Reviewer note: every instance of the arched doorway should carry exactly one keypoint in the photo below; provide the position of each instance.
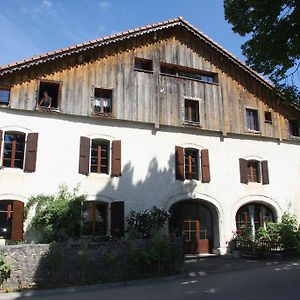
(251, 216)
(197, 222)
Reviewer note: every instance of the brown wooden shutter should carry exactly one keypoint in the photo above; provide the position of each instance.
(1, 137)
(243, 171)
(265, 172)
(205, 166)
(31, 152)
(179, 161)
(117, 219)
(17, 220)
(116, 159)
(84, 155)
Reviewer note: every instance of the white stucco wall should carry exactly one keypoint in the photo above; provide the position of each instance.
(148, 166)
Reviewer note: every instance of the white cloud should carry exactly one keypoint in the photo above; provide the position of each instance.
(104, 5)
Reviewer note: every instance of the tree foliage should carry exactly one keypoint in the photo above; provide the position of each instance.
(57, 217)
(145, 224)
(273, 47)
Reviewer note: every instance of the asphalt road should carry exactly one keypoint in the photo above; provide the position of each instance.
(269, 281)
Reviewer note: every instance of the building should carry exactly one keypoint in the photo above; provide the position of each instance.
(159, 115)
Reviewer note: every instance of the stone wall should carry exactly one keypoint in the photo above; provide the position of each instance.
(43, 265)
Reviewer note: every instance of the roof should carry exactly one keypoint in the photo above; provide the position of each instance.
(178, 22)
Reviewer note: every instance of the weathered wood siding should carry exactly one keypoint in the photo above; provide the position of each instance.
(152, 97)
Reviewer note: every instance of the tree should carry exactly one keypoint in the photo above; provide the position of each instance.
(57, 217)
(273, 47)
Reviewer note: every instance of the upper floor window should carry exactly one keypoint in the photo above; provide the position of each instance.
(49, 94)
(191, 111)
(13, 151)
(268, 117)
(142, 64)
(253, 167)
(4, 96)
(189, 73)
(294, 127)
(252, 119)
(17, 151)
(189, 162)
(99, 156)
(102, 101)
(254, 171)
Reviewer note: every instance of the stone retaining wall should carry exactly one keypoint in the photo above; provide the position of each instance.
(43, 265)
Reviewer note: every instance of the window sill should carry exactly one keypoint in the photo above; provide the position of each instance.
(4, 104)
(12, 170)
(188, 78)
(98, 175)
(191, 124)
(144, 71)
(295, 137)
(103, 115)
(254, 132)
(47, 109)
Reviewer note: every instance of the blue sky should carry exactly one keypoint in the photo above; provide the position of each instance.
(30, 27)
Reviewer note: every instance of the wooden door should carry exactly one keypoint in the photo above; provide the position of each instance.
(195, 239)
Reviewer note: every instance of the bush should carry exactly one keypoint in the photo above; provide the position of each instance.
(5, 269)
(57, 217)
(145, 224)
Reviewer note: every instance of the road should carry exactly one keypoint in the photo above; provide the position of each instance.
(269, 281)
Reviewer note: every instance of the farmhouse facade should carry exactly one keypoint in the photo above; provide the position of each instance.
(160, 115)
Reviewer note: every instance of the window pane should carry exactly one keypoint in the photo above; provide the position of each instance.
(102, 101)
(191, 163)
(100, 156)
(4, 96)
(191, 111)
(252, 119)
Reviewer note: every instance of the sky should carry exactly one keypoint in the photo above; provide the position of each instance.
(32, 27)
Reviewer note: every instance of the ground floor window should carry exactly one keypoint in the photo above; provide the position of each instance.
(6, 213)
(253, 216)
(94, 218)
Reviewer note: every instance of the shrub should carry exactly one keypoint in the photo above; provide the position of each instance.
(5, 269)
(57, 217)
(147, 223)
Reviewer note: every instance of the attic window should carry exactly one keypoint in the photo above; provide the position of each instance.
(189, 73)
(49, 94)
(102, 101)
(294, 126)
(142, 64)
(268, 117)
(4, 96)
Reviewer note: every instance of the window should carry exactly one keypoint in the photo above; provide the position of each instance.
(253, 216)
(141, 64)
(254, 171)
(252, 119)
(100, 156)
(294, 127)
(191, 111)
(94, 218)
(13, 151)
(191, 163)
(49, 93)
(253, 168)
(188, 163)
(189, 73)
(268, 117)
(102, 101)
(11, 219)
(4, 96)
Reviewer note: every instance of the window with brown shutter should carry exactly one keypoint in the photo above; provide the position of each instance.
(191, 163)
(179, 163)
(17, 220)
(243, 170)
(205, 169)
(100, 156)
(253, 171)
(31, 152)
(265, 172)
(94, 218)
(13, 149)
(116, 159)
(84, 155)
(117, 219)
